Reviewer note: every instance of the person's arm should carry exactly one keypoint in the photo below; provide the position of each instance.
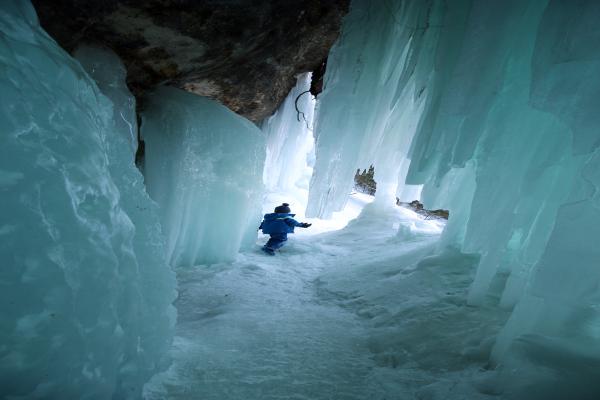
(293, 222)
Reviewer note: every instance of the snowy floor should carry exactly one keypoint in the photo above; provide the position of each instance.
(356, 313)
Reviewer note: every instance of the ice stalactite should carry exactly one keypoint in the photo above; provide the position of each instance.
(290, 139)
(203, 166)
(557, 257)
(375, 92)
(490, 121)
(514, 126)
(506, 136)
(83, 288)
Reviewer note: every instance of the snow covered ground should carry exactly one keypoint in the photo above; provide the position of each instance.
(356, 313)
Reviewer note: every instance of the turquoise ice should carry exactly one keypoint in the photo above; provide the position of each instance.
(203, 165)
(486, 108)
(86, 290)
(505, 134)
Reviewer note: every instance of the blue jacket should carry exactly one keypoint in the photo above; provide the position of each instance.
(275, 223)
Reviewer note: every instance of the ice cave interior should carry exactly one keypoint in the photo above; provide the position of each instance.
(131, 277)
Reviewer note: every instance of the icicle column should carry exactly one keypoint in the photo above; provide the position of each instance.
(375, 93)
(203, 166)
(507, 137)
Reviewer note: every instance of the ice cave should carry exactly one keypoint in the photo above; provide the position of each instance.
(444, 156)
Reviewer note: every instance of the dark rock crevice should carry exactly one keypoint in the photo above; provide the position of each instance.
(244, 53)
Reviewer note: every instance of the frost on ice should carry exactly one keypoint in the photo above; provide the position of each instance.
(203, 166)
(85, 296)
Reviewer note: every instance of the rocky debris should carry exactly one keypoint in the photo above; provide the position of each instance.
(418, 207)
(244, 53)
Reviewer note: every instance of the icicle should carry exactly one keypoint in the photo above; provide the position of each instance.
(372, 103)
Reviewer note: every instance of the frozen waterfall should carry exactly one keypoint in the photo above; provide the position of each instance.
(86, 291)
(488, 109)
(203, 166)
(376, 88)
(290, 140)
(494, 104)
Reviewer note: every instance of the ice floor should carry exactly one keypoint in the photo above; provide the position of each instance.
(355, 313)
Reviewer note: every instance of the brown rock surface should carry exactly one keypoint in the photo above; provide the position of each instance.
(244, 53)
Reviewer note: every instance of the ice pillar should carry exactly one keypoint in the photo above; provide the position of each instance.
(373, 100)
(85, 302)
(203, 166)
(495, 105)
(562, 293)
(525, 134)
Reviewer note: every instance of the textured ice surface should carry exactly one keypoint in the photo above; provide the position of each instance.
(289, 140)
(507, 137)
(203, 166)
(371, 103)
(110, 74)
(529, 152)
(86, 292)
(156, 280)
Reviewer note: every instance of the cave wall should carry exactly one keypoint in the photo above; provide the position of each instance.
(245, 54)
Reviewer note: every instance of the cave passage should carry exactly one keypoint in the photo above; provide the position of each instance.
(119, 282)
(348, 314)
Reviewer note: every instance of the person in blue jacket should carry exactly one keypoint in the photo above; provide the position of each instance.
(278, 225)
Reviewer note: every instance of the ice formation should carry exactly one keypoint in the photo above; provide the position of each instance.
(86, 292)
(110, 74)
(156, 280)
(290, 139)
(490, 107)
(203, 166)
(494, 104)
(371, 104)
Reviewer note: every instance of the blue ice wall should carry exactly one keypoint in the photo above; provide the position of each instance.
(86, 292)
(203, 166)
(507, 138)
(376, 86)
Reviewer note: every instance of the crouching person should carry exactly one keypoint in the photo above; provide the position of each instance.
(278, 225)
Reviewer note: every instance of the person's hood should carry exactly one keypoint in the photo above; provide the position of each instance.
(277, 215)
